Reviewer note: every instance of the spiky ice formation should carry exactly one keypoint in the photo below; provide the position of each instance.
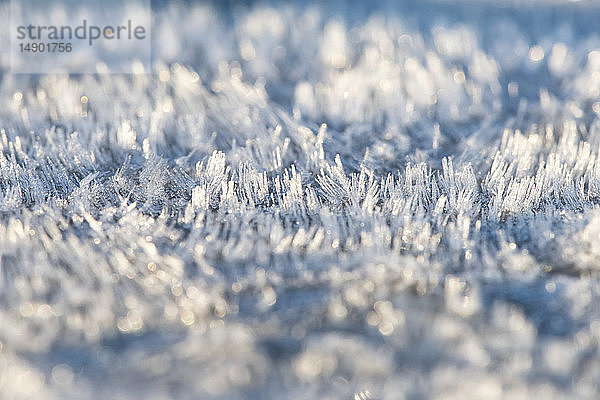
(387, 202)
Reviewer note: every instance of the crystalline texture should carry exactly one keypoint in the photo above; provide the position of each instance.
(326, 201)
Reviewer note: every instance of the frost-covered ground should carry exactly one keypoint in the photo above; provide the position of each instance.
(310, 202)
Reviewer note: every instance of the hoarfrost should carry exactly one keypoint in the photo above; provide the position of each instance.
(378, 205)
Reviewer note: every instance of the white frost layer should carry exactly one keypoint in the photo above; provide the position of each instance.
(303, 202)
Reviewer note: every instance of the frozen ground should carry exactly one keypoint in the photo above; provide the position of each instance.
(311, 202)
